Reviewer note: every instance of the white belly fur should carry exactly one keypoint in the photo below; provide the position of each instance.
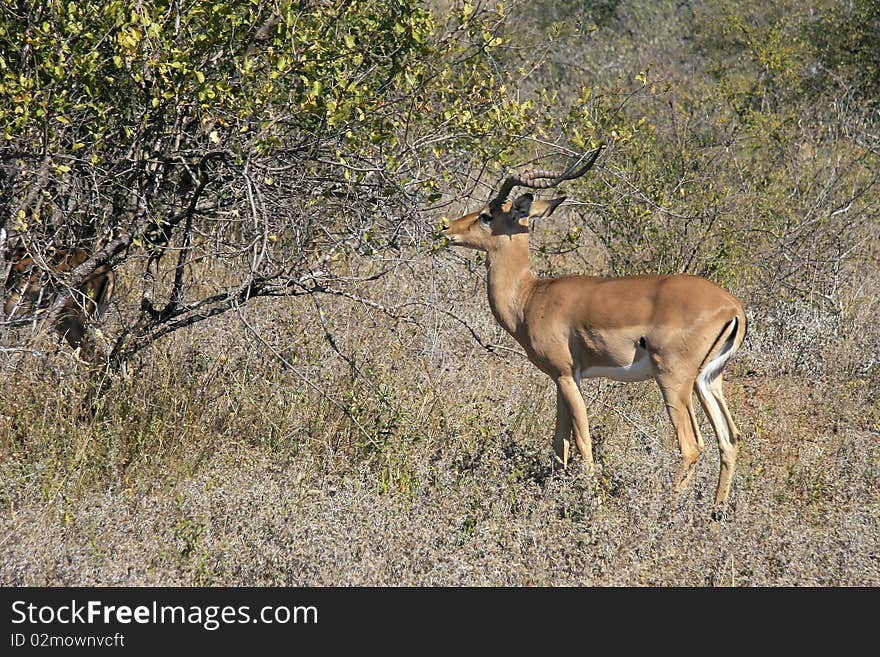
(638, 370)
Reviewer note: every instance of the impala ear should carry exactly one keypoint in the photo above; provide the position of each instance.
(551, 205)
(538, 210)
(522, 207)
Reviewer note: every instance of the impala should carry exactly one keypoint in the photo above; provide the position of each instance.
(32, 283)
(680, 330)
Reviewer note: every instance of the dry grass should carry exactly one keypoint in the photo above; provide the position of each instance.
(216, 462)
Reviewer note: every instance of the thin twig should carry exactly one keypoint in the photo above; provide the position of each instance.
(306, 380)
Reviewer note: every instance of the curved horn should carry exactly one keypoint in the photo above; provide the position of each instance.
(544, 179)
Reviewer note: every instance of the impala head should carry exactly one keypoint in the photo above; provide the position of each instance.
(480, 230)
(501, 220)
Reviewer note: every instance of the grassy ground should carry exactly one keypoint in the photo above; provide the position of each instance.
(249, 452)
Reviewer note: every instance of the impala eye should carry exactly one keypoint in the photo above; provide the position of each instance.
(485, 217)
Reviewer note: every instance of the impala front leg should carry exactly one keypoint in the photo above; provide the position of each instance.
(568, 391)
(562, 438)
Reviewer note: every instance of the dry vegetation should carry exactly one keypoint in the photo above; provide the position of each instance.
(215, 463)
(395, 436)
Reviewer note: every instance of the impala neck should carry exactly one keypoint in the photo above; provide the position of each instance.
(509, 281)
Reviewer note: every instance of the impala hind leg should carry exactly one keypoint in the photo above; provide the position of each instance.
(715, 385)
(562, 437)
(678, 397)
(568, 391)
(712, 399)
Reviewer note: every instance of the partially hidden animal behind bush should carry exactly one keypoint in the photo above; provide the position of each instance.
(33, 281)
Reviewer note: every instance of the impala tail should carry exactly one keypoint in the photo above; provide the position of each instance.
(731, 338)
